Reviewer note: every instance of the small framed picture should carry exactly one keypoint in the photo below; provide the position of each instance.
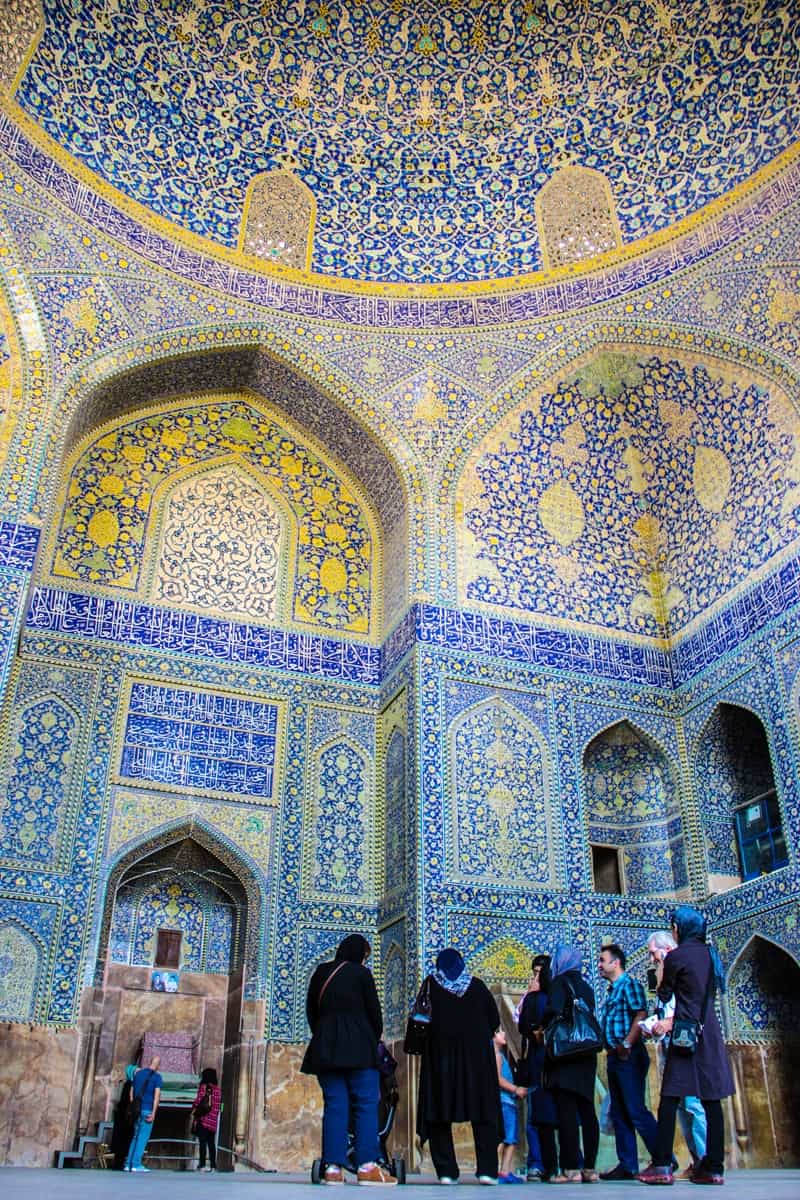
(164, 981)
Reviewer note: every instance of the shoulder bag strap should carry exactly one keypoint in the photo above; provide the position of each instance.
(710, 990)
(335, 971)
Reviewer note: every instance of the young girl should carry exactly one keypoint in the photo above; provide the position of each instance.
(509, 1095)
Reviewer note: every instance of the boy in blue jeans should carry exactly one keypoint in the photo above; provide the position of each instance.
(509, 1095)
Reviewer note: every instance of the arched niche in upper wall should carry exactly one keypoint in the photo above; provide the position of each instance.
(369, 477)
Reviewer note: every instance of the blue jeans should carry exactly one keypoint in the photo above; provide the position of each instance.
(141, 1136)
(534, 1147)
(692, 1117)
(350, 1099)
(626, 1079)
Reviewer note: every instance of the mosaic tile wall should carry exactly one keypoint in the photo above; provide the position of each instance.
(430, 779)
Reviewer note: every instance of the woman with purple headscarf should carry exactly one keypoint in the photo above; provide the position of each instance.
(572, 1080)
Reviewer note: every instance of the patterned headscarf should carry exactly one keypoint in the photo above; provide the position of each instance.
(565, 958)
(691, 926)
(451, 972)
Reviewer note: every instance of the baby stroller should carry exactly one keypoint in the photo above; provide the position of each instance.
(387, 1108)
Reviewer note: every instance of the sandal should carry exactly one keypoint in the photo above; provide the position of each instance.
(566, 1177)
(589, 1175)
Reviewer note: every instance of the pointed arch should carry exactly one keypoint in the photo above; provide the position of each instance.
(171, 834)
(632, 809)
(763, 996)
(737, 797)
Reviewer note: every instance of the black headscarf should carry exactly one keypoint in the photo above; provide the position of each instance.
(353, 949)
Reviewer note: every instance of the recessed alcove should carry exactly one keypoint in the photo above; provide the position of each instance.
(738, 800)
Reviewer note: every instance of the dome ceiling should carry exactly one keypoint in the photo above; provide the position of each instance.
(424, 130)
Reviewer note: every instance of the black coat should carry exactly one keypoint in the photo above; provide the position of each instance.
(542, 1105)
(572, 1074)
(707, 1073)
(458, 1075)
(347, 1025)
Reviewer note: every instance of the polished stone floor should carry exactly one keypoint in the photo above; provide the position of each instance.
(18, 1183)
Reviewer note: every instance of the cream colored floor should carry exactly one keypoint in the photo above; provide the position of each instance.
(19, 1183)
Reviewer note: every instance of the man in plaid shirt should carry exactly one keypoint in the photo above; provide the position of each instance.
(628, 1063)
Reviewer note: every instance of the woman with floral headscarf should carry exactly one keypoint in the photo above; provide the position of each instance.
(122, 1130)
(572, 1080)
(693, 974)
(458, 1076)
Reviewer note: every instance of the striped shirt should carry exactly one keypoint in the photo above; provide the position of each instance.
(624, 998)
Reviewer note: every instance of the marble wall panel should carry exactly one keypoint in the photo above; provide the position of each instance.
(36, 1085)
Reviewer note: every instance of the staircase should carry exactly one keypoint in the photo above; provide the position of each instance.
(74, 1158)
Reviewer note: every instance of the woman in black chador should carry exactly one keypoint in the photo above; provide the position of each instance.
(693, 974)
(458, 1077)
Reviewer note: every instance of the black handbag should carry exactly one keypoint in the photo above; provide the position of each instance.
(686, 1033)
(419, 1020)
(576, 1031)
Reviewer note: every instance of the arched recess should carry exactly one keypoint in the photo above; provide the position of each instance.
(179, 853)
(558, 510)
(113, 479)
(633, 815)
(21, 958)
(500, 824)
(379, 462)
(763, 997)
(737, 798)
(395, 838)
(395, 1000)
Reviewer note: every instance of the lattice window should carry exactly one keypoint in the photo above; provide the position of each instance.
(278, 221)
(577, 217)
(21, 23)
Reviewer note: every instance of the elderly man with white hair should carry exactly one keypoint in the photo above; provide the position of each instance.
(691, 1114)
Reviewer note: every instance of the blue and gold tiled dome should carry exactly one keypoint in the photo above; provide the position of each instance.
(411, 139)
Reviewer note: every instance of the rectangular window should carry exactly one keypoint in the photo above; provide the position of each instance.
(607, 870)
(759, 836)
(168, 949)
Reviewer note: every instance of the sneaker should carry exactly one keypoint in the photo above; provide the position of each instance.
(138, 1168)
(687, 1173)
(447, 1180)
(333, 1175)
(534, 1175)
(509, 1178)
(371, 1175)
(701, 1175)
(617, 1174)
(487, 1180)
(653, 1174)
